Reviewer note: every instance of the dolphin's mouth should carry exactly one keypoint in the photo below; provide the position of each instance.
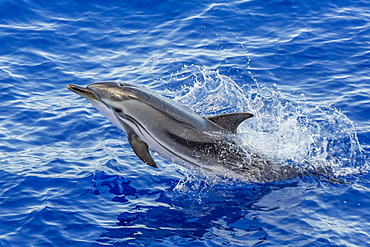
(84, 92)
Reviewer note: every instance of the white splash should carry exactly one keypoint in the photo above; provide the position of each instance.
(286, 132)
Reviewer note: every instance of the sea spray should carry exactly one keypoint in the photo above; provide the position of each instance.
(285, 129)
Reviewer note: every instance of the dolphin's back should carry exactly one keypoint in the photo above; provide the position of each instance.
(169, 110)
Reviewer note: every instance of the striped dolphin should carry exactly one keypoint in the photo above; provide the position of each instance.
(179, 134)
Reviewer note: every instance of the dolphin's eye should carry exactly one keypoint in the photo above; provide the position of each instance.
(118, 110)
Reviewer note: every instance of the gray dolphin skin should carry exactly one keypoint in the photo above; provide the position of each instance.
(179, 134)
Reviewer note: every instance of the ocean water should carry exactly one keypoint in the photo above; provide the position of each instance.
(68, 177)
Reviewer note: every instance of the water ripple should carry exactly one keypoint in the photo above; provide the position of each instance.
(69, 177)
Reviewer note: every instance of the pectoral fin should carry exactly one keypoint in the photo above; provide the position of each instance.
(141, 149)
(230, 121)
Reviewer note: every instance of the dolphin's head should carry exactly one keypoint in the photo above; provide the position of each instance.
(103, 96)
(102, 91)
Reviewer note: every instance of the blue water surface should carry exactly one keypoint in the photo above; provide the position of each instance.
(68, 177)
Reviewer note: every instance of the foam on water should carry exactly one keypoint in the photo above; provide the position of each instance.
(286, 129)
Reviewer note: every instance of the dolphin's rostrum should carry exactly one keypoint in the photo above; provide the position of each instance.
(177, 133)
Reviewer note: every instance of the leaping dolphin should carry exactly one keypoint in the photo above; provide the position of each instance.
(179, 134)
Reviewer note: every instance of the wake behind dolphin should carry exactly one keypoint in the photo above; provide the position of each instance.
(179, 134)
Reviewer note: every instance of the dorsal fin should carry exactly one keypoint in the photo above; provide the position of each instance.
(230, 121)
